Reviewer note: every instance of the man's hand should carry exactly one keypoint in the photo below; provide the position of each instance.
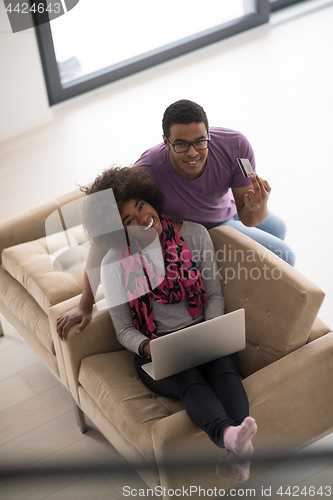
(255, 200)
(251, 201)
(67, 320)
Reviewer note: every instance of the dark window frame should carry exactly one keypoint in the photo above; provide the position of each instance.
(281, 4)
(58, 93)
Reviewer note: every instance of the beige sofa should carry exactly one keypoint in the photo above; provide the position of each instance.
(287, 363)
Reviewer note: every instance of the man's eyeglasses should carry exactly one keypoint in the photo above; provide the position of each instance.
(182, 147)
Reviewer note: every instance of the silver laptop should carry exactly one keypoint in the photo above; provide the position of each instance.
(197, 344)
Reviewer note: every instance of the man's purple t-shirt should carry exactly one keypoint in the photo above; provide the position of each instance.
(207, 199)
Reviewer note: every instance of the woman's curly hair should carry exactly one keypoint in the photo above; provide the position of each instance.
(127, 183)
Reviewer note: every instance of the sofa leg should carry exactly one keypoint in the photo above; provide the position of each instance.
(80, 418)
(1, 330)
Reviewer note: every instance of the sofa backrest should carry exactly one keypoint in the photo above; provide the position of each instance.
(280, 304)
(30, 225)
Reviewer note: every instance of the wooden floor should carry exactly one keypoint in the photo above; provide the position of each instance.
(276, 87)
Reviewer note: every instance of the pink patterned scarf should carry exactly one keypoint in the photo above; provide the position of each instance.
(182, 278)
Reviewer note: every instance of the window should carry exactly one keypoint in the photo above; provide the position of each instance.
(281, 4)
(87, 48)
(124, 33)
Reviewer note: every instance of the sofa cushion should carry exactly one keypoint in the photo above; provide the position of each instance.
(112, 382)
(32, 265)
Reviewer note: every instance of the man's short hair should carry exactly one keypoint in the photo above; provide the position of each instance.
(183, 112)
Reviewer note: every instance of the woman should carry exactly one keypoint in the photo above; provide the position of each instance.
(152, 293)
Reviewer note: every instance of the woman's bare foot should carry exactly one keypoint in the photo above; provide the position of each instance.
(228, 469)
(238, 439)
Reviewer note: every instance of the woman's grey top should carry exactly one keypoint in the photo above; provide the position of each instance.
(168, 317)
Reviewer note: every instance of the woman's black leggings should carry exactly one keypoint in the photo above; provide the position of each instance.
(212, 394)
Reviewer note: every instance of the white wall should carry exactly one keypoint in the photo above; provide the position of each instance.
(23, 98)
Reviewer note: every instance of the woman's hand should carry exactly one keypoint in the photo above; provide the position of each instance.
(144, 349)
(67, 320)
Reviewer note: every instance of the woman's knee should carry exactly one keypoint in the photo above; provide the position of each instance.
(222, 366)
(188, 378)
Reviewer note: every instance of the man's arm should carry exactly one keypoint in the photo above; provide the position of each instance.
(83, 312)
(251, 201)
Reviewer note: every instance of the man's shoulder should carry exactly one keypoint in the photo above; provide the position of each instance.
(152, 156)
(226, 145)
(220, 133)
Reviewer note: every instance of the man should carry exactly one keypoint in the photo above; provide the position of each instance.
(196, 166)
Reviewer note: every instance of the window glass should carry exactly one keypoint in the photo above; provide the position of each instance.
(96, 35)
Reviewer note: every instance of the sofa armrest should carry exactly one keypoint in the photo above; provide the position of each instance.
(291, 399)
(280, 303)
(30, 225)
(97, 337)
(319, 328)
(184, 450)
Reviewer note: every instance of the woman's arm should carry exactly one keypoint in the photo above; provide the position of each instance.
(128, 336)
(81, 314)
(204, 253)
